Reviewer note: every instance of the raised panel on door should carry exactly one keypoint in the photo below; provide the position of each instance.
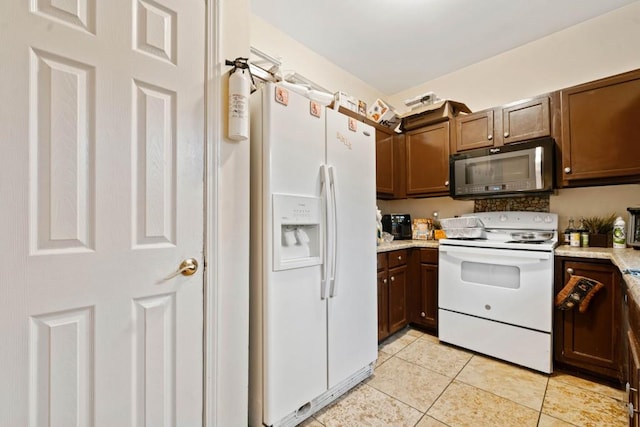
(526, 120)
(427, 159)
(102, 173)
(474, 131)
(397, 298)
(429, 295)
(591, 339)
(599, 129)
(383, 305)
(385, 170)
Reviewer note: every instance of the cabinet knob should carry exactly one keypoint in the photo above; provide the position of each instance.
(489, 137)
(506, 134)
(628, 389)
(570, 271)
(384, 280)
(399, 257)
(446, 183)
(393, 279)
(423, 314)
(567, 170)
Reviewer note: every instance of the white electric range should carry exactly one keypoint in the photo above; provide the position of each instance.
(496, 292)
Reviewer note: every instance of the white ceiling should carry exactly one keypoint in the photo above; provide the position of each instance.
(394, 45)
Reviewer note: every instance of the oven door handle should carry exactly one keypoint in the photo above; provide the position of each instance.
(496, 256)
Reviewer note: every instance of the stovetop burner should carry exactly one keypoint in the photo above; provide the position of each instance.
(514, 230)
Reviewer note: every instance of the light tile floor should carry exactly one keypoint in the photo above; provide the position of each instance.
(419, 382)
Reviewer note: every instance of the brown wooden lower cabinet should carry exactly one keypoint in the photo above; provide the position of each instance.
(590, 342)
(424, 289)
(633, 378)
(392, 292)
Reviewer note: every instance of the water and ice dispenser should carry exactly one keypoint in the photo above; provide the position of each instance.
(297, 227)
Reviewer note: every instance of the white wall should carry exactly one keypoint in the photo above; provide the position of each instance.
(295, 56)
(603, 46)
(228, 291)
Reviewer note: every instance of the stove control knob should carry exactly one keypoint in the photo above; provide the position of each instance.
(537, 218)
(548, 219)
(502, 218)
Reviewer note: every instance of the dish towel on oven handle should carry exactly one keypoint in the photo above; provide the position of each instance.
(578, 291)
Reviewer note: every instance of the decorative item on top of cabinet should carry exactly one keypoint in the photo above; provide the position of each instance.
(518, 121)
(392, 292)
(590, 342)
(427, 160)
(600, 131)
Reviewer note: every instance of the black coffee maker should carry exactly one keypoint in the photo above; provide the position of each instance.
(399, 225)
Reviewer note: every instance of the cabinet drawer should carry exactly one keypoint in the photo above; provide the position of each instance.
(429, 256)
(382, 261)
(397, 258)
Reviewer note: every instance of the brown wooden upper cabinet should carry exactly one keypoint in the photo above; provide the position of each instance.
(511, 123)
(600, 131)
(427, 160)
(390, 180)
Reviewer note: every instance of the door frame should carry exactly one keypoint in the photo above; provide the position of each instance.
(211, 214)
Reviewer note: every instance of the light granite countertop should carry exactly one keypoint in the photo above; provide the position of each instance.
(406, 244)
(621, 258)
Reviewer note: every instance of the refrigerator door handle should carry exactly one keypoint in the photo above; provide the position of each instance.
(324, 184)
(334, 231)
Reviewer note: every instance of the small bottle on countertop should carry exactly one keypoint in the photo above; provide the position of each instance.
(584, 234)
(575, 235)
(568, 231)
(619, 236)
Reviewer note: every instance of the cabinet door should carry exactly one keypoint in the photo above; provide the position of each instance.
(591, 340)
(474, 130)
(384, 164)
(383, 305)
(600, 131)
(429, 295)
(427, 160)
(526, 120)
(397, 298)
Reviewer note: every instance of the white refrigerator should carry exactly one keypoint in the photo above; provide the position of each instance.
(313, 309)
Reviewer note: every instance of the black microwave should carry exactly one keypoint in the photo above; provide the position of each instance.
(509, 170)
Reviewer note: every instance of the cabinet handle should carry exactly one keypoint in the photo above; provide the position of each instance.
(393, 279)
(567, 170)
(489, 137)
(384, 281)
(506, 134)
(446, 183)
(422, 314)
(570, 271)
(628, 389)
(631, 410)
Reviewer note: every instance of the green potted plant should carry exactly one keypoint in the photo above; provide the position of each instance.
(600, 230)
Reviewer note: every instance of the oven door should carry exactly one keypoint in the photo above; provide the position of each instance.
(505, 285)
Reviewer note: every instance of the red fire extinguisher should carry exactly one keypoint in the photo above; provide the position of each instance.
(240, 87)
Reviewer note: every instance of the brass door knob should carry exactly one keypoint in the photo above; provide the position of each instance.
(187, 267)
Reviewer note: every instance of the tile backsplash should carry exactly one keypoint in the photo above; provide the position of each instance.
(526, 203)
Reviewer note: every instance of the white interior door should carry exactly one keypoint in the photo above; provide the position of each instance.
(101, 175)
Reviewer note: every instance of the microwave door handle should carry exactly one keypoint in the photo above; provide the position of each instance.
(538, 167)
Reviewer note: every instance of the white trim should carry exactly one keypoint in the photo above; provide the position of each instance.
(212, 155)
